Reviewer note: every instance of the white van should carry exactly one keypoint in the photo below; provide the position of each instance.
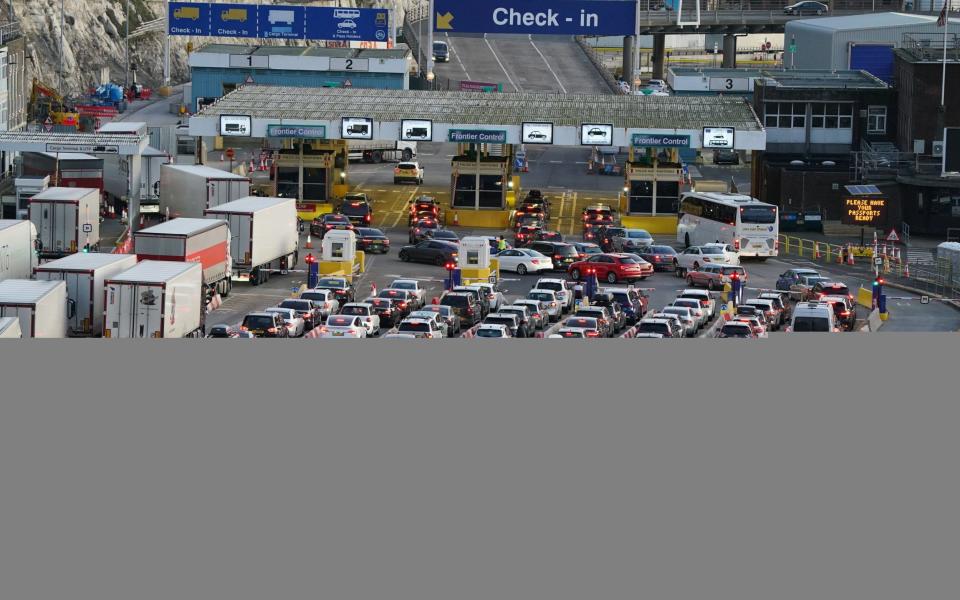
(813, 317)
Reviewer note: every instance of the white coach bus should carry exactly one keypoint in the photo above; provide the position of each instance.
(750, 226)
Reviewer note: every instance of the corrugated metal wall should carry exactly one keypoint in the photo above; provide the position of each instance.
(813, 46)
(892, 35)
(208, 83)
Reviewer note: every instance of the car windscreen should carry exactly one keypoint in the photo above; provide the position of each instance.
(445, 235)
(355, 209)
(300, 305)
(541, 296)
(736, 330)
(711, 250)
(368, 232)
(330, 283)
(662, 250)
(458, 301)
(416, 327)
(638, 235)
(836, 289)
(489, 333)
(381, 303)
(629, 260)
(257, 322)
(654, 328)
(582, 322)
(622, 298)
(550, 285)
(687, 302)
(760, 215)
(403, 285)
(340, 321)
(315, 296)
(360, 311)
(591, 250)
(732, 270)
(406, 166)
(500, 321)
(803, 324)
(682, 311)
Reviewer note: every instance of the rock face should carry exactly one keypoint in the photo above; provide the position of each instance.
(93, 38)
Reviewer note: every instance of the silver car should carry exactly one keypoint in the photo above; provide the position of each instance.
(537, 312)
(548, 299)
(686, 316)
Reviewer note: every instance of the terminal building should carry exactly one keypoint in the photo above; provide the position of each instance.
(218, 69)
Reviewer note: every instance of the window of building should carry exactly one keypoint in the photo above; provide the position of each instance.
(877, 119)
(785, 115)
(832, 115)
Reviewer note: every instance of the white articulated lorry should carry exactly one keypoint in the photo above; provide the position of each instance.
(206, 241)
(155, 299)
(10, 328)
(18, 255)
(263, 235)
(188, 190)
(67, 220)
(84, 274)
(41, 306)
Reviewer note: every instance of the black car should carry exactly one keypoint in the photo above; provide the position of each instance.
(465, 306)
(372, 240)
(527, 220)
(548, 236)
(400, 302)
(267, 325)
(661, 257)
(306, 309)
(441, 234)
(341, 288)
(357, 208)
(448, 315)
(726, 156)
(385, 309)
(806, 8)
(608, 300)
(605, 237)
(830, 288)
(562, 254)
(319, 227)
(423, 207)
(418, 230)
(844, 312)
(435, 252)
(222, 331)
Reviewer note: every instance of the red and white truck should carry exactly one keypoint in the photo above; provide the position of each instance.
(188, 190)
(84, 274)
(155, 299)
(206, 241)
(264, 235)
(67, 220)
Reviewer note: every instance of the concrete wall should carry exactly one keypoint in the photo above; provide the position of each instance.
(919, 114)
(208, 83)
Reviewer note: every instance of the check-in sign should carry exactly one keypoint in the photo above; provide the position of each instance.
(306, 132)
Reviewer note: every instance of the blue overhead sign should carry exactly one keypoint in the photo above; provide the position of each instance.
(557, 17)
(278, 22)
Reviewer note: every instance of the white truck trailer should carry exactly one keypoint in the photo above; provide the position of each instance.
(10, 328)
(67, 220)
(41, 306)
(264, 235)
(188, 190)
(84, 275)
(18, 255)
(155, 299)
(376, 151)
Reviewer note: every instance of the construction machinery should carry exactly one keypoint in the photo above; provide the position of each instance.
(47, 106)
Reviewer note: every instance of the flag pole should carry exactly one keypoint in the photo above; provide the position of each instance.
(943, 76)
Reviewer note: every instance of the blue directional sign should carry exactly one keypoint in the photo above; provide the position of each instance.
(328, 23)
(553, 17)
(189, 18)
(281, 22)
(234, 20)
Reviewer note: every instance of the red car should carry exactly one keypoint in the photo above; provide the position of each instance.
(611, 268)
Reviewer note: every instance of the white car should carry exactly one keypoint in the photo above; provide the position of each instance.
(657, 84)
(426, 328)
(523, 261)
(429, 315)
(325, 300)
(493, 331)
(348, 24)
(676, 323)
(368, 316)
(696, 309)
(295, 324)
(410, 285)
(570, 333)
(559, 286)
(731, 256)
(343, 326)
(687, 317)
(490, 293)
(408, 171)
(537, 310)
(549, 302)
(398, 336)
(694, 257)
(707, 301)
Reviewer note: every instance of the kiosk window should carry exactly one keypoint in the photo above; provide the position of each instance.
(288, 182)
(473, 258)
(641, 197)
(336, 250)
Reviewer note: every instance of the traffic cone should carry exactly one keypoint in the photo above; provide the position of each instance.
(123, 215)
(456, 220)
(816, 250)
(849, 255)
(309, 244)
(906, 270)
(263, 164)
(222, 157)
(253, 167)
(141, 221)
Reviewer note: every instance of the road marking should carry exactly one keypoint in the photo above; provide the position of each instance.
(456, 55)
(552, 72)
(410, 199)
(504, 69)
(556, 162)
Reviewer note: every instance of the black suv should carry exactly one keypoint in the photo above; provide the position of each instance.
(357, 208)
(561, 253)
(616, 310)
(319, 227)
(265, 325)
(465, 306)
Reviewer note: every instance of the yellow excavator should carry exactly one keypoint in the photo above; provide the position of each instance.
(46, 102)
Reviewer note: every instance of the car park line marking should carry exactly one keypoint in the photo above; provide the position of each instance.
(502, 68)
(552, 72)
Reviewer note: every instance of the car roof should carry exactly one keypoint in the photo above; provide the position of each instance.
(695, 291)
(654, 320)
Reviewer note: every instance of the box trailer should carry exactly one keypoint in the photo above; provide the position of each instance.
(264, 235)
(67, 220)
(376, 151)
(84, 275)
(18, 255)
(188, 190)
(10, 328)
(206, 241)
(155, 299)
(41, 306)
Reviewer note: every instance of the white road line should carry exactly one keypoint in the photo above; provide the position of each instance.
(556, 162)
(456, 55)
(502, 68)
(552, 72)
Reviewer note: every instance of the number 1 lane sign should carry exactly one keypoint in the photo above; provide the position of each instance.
(557, 17)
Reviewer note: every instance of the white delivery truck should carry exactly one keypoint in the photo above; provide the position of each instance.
(188, 190)
(155, 299)
(206, 241)
(84, 275)
(67, 220)
(264, 235)
(10, 328)
(41, 306)
(17, 249)
(375, 151)
(121, 175)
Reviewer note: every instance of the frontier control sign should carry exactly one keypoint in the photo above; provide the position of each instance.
(560, 17)
(481, 136)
